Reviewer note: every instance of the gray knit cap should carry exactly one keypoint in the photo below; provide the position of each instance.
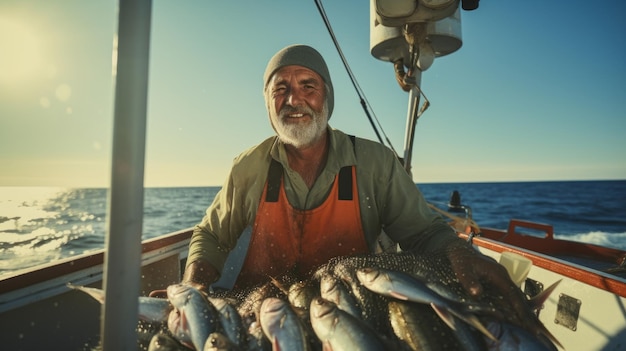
(305, 56)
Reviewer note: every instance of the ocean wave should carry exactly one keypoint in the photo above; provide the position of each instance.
(612, 240)
(40, 225)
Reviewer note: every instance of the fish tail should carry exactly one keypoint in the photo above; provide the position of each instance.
(467, 318)
(275, 344)
(280, 286)
(97, 294)
(445, 316)
(542, 330)
(474, 322)
(538, 300)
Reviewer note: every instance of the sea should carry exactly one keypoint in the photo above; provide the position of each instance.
(39, 225)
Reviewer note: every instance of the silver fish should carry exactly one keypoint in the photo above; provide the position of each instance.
(370, 303)
(249, 309)
(338, 330)
(301, 293)
(334, 290)
(405, 287)
(230, 320)
(151, 309)
(164, 342)
(219, 342)
(194, 318)
(257, 339)
(435, 270)
(420, 328)
(514, 338)
(282, 326)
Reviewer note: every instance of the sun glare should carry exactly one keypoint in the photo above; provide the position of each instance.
(20, 48)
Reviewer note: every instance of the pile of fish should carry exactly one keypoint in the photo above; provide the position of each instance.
(392, 301)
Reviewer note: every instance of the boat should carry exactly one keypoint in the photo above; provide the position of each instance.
(587, 311)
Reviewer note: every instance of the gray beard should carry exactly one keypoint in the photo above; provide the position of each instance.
(302, 136)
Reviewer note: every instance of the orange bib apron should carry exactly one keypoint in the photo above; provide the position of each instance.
(287, 239)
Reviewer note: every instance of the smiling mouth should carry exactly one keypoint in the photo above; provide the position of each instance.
(295, 115)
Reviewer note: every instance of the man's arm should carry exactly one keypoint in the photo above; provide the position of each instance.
(201, 274)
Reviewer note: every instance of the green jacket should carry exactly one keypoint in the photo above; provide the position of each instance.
(389, 200)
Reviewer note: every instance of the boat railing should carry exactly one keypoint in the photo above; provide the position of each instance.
(167, 252)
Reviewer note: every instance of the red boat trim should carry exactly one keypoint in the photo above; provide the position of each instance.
(74, 264)
(609, 284)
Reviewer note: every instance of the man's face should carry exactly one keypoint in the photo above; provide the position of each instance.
(296, 101)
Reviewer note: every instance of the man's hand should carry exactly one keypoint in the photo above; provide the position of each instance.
(200, 274)
(474, 269)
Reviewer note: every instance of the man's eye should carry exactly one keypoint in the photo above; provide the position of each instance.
(279, 90)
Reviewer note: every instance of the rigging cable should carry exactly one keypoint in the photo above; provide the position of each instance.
(364, 103)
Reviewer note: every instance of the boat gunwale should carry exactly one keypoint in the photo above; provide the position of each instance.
(39, 274)
(42, 273)
(595, 278)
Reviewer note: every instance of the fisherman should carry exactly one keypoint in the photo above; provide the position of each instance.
(311, 193)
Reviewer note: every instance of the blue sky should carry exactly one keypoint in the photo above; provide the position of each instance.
(536, 92)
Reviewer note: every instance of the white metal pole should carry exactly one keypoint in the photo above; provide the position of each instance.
(411, 121)
(125, 200)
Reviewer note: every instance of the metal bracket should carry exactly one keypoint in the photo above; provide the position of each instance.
(567, 311)
(533, 288)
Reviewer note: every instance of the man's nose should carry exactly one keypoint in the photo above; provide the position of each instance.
(294, 97)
